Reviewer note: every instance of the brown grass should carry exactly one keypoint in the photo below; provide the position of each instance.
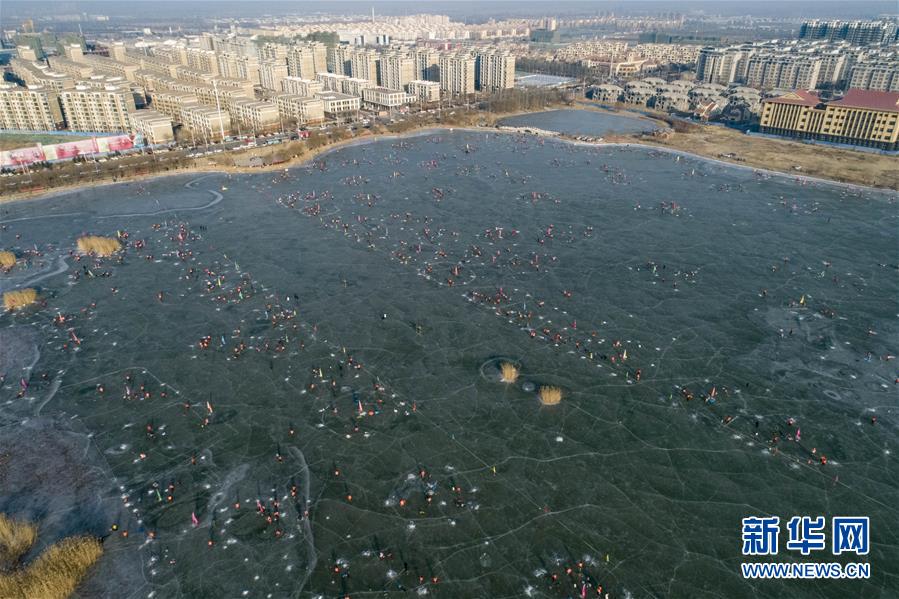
(16, 538)
(56, 573)
(98, 246)
(549, 396)
(18, 299)
(7, 259)
(783, 155)
(508, 372)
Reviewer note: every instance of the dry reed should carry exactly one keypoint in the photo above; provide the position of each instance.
(7, 259)
(16, 538)
(56, 573)
(18, 299)
(98, 246)
(549, 396)
(508, 372)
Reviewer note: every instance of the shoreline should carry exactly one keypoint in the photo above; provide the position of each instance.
(309, 157)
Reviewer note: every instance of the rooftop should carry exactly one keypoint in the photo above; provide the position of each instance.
(799, 97)
(866, 98)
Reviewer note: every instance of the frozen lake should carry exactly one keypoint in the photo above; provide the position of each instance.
(289, 381)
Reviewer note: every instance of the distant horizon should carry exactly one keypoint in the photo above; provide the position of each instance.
(14, 9)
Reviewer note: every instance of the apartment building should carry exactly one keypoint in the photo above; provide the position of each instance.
(338, 60)
(238, 66)
(425, 91)
(34, 109)
(338, 105)
(457, 73)
(305, 60)
(331, 81)
(495, 70)
(379, 98)
(354, 87)
(153, 126)
(108, 66)
(202, 60)
(301, 87)
(426, 64)
(206, 123)
(783, 72)
(272, 73)
(303, 110)
(256, 116)
(103, 110)
(862, 117)
(879, 76)
(364, 65)
(173, 103)
(856, 32)
(39, 75)
(396, 70)
(78, 70)
(273, 51)
(718, 65)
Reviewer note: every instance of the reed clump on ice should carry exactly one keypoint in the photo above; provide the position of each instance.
(7, 260)
(56, 572)
(549, 396)
(508, 372)
(98, 246)
(18, 299)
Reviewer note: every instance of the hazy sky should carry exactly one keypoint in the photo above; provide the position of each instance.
(455, 8)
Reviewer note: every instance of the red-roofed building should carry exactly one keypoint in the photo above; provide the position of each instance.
(861, 117)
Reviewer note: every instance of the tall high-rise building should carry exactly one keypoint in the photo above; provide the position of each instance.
(457, 73)
(718, 65)
(496, 70)
(426, 64)
(305, 60)
(272, 72)
(396, 70)
(364, 65)
(238, 66)
(339, 60)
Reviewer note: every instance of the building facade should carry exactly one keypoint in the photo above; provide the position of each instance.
(380, 98)
(338, 105)
(256, 116)
(457, 73)
(153, 126)
(101, 110)
(301, 87)
(303, 110)
(496, 70)
(396, 70)
(425, 91)
(29, 109)
(206, 124)
(861, 117)
(272, 73)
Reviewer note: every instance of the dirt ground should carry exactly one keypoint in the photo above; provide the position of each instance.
(837, 164)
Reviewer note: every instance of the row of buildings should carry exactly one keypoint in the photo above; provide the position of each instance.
(881, 31)
(860, 117)
(704, 100)
(801, 65)
(212, 86)
(617, 58)
(383, 29)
